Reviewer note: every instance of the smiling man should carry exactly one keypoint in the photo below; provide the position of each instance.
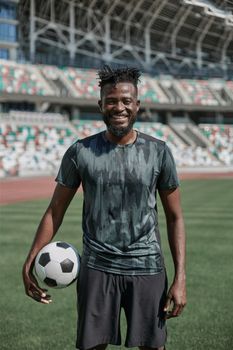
(121, 171)
(119, 106)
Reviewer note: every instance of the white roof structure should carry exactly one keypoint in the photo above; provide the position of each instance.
(161, 36)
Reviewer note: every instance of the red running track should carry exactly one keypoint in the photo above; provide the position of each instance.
(13, 190)
(24, 189)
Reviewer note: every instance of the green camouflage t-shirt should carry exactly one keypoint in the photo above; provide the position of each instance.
(120, 219)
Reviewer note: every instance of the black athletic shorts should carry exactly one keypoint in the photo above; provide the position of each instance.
(102, 295)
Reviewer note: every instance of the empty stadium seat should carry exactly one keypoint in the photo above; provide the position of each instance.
(198, 92)
(22, 79)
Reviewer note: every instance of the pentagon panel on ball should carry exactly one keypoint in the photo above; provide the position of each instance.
(57, 264)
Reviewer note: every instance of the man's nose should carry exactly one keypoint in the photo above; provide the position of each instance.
(119, 106)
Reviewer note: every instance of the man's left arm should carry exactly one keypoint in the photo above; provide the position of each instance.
(176, 236)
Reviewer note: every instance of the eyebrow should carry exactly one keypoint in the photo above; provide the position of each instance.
(116, 99)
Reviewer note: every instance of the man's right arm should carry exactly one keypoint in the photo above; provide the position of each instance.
(47, 229)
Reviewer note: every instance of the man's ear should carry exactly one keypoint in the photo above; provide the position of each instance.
(100, 105)
(138, 105)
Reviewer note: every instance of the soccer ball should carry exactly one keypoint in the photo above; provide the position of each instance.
(57, 264)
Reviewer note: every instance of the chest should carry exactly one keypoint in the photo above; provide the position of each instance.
(120, 166)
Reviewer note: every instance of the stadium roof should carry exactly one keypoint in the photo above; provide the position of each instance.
(168, 36)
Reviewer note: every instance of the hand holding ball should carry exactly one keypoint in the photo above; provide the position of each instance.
(57, 264)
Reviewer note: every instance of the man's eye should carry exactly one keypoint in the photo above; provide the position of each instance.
(127, 102)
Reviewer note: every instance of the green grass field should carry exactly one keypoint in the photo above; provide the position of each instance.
(206, 323)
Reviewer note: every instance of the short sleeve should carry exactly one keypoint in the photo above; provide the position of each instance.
(168, 177)
(68, 173)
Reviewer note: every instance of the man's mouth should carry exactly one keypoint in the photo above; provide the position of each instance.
(119, 116)
(119, 119)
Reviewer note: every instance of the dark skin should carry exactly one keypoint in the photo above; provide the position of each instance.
(119, 106)
(47, 229)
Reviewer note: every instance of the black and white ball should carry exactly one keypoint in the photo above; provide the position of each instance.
(57, 264)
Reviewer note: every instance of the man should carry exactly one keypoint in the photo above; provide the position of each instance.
(122, 266)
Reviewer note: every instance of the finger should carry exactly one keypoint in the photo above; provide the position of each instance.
(170, 314)
(176, 311)
(43, 297)
(37, 297)
(35, 282)
(167, 304)
(180, 310)
(35, 291)
(42, 300)
(35, 287)
(45, 301)
(38, 292)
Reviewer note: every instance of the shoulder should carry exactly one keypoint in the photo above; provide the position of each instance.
(89, 139)
(145, 138)
(84, 143)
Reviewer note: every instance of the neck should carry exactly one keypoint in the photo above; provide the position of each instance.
(124, 140)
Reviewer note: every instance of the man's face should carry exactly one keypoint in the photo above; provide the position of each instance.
(119, 106)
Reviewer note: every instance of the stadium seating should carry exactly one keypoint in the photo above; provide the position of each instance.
(55, 80)
(149, 91)
(160, 131)
(32, 149)
(33, 143)
(184, 155)
(230, 87)
(22, 79)
(84, 82)
(86, 128)
(45, 80)
(198, 92)
(221, 136)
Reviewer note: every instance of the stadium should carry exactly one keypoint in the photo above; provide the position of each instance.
(50, 51)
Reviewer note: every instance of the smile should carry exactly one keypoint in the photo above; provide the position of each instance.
(116, 117)
(119, 119)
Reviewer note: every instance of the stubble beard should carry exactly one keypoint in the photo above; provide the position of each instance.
(118, 131)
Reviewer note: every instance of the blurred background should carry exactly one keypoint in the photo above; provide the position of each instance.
(49, 55)
(50, 51)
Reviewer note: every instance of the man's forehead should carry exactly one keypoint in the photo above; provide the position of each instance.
(123, 87)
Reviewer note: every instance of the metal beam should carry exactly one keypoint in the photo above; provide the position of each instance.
(72, 48)
(93, 30)
(147, 32)
(221, 41)
(200, 40)
(32, 31)
(180, 19)
(225, 47)
(129, 19)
